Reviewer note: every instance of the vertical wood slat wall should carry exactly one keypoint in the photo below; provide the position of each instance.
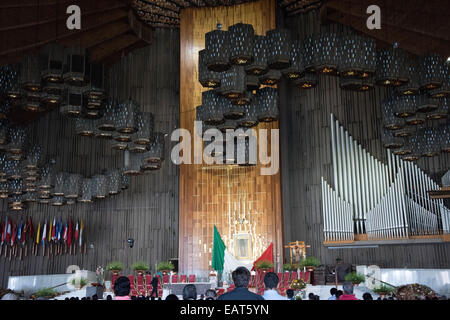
(148, 210)
(201, 201)
(306, 156)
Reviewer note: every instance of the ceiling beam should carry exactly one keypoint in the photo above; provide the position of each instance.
(113, 58)
(102, 51)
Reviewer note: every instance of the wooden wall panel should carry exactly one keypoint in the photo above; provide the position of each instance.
(306, 156)
(148, 210)
(203, 201)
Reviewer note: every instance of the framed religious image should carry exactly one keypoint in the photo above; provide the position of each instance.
(242, 246)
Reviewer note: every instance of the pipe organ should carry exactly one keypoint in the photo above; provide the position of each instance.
(381, 201)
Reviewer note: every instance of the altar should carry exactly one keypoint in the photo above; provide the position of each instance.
(177, 288)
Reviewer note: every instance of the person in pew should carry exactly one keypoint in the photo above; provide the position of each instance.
(290, 294)
(189, 292)
(348, 291)
(171, 297)
(271, 282)
(339, 293)
(241, 279)
(122, 289)
(367, 296)
(210, 294)
(333, 294)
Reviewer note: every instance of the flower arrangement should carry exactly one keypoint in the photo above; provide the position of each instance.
(46, 292)
(165, 266)
(140, 266)
(264, 264)
(413, 291)
(309, 262)
(298, 284)
(355, 278)
(114, 266)
(100, 276)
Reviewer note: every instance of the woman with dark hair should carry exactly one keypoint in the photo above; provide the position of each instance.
(189, 292)
(122, 288)
(171, 297)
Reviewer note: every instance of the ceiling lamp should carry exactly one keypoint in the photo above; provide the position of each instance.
(405, 131)
(33, 158)
(125, 181)
(416, 119)
(351, 50)
(278, 48)
(31, 101)
(259, 64)
(57, 201)
(404, 106)
(267, 99)
(30, 197)
(391, 67)
(441, 112)
(4, 108)
(208, 79)
(30, 73)
(113, 181)
(233, 83)
(146, 123)
(412, 87)
(126, 117)
(13, 169)
(72, 101)
(444, 137)
(15, 187)
(252, 82)
(73, 186)
(95, 89)
(107, 122)
(4, 133)
(74, 72)
(15, 203)
(154, 157)
(230, 110)
(10, 82)
(368, 57)
(86, 191)
(426, 104)
(309, 51)
(431, 71)
(212, 110)
(389, 140)
(47, 179)
(326, 58)
(18, 137)
(52, 63)
(444, 89)
(4, 189)
(100, 186)
(429, 142)
(3, 162)
(306, 81)
(270, 78)
(84, 127)
(51, 95)
(60, 183)
(412, 145)
(296, 68)
(217, 46)
(241, 44)
(101, 134)
(229, 124)
(132, 163)
(244, 99)
(390, 121)
(119, 145)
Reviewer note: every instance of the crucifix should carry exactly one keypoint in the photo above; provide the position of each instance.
(297, 250)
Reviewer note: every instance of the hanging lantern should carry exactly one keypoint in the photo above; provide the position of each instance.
(121, 137)
(252, 82)
(367, 57)
(270, 78)
(244, 99)
(126, 117)
(444, 89)
(30, 74)
(233, 83)
(295, 70)
(33, 158)
(31, 101)
(208, 79)
(425, 104)
(278, 48)
(5, 107)
(15, 187)
(217, 46)
(86, 191)
(72, 101)
(154, 157)
(132, 163)
(242, 153)
(367, 84)
(95, 90)
(241, 43)
(73, 185)
(13, 169)
(4, 133)
(212, 107)
(146, 123)
(74, 71)
(441, 111)
(416, 119)
(15, 203)
(431, 71)
(92, 109)
(52, 63)
(404, 132)
(350, 83)
(309, 51)
(119, 145)
(84, 127)
(412, 87)
(229, 124)
(404, 106)
(101, 134)
(100, 186)
(200, 113)
(125, 181)
(444, 137)
(390, 121)
(230, 111)
(114, 178)
(326, 58)
(11, 81)
(389, 140)
(18, 138)
(259, 64)
(430, 143)
(107, 122)
(4, 190)
(307, 81)
(30, 197)
(60, 183)
(391, 67)
(57, 201)
(351, 60)
(3, 166)
(413, 147)
(30, 186)
(51, 95)
(403, 150)
(267, 101)
(47, 180)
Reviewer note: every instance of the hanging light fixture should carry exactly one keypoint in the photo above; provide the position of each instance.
(30, 73)
(278, 48)
(326, 58)
(33, 158)
(126, 117)
(114, 178)
(229, 124)
(84, 127)
(154, 157)
(431, 71)
(247, 160)
(267, 100)
(412, 87)
(233, 83)
(252, 82)
(306, 81)
(57, 201)
(404, 132)
(74, 71)
(245, 99)
(309, 51)
(270, 78)
(13, 169)
(99, 186)
(15, 203)
(241, 44)
(429, 142)
(31, 101)
(295, 70)
(444, 89)
(132, 163)
(125, 181)
(15, 187)
(107, 122)
(259, 64)
(60, 183)
(47, 179)
(391, 67)
(73, 186)
(30, 197)
(52, 56)
(230, 110)
(442, 110)
(5, 107)
(86, 191)
(350, 64)
(250, 118)
(145, 126)
(413, 147)
(212, 110)
(4, 133)
(390, 121)
(18, 138)
(51, 95)
(208, 79)
(444, 137)
(389, 140)
(217, 46)
(4, 189)
(404, 106)
(101, 134)
(367, 57)
(72, 101)
(416, 119)
(426, 104)
(95, 89)
(11, 82)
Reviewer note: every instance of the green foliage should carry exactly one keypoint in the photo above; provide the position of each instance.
(309, 262)
(287, 267)
(264, 264)
(79, 282)
(165, 266)
(140, 265)
(354, 277)
(46, 292)
(383, 289)
(115, 265)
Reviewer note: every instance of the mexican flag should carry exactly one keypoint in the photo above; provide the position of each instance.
(222, 260)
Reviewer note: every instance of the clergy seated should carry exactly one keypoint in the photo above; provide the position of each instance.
(241, 279)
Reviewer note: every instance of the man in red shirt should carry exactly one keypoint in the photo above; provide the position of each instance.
(348, 292)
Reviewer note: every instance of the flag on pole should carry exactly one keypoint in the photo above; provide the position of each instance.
(69, 233)
(38, 233)
(76, 232)
(14, 233)
(49, 238)
(19, 230)
(24, 232)
(44, 233)
(5, 227)
(30, 229)
(65, 233)
(222, 259)
(54, 230)
(81, 232)
(8, 231)
(267, 255)
(60, 233)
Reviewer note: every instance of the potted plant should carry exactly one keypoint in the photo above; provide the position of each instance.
(264, 265)
(99, 286)
(115, 267)
(383, 290)
(287, 267)
(79, 283)
(45, 293)
(140, 267)
(309, 263)
(355, 278)
(299, 286)
(165, 267)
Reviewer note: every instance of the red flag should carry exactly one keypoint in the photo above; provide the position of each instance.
(76, 232)
(13, 236)
(69, 233)
(54, 230)
(267, 255)
(30, 228)
(8, 231)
